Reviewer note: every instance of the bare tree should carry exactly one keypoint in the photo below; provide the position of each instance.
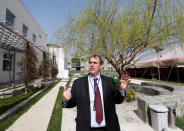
(122, 32)
(45, 67)
(28, 64)
(54, 68)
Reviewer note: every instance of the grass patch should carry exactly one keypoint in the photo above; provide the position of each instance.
(84, 74)
(161, 81)
(117, 83)
(180, 122)
(110, 74)
(12, 118)
(7, 103)
(56, 118)
(68, 82)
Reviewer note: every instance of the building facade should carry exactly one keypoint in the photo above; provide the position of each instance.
(17, 26)
(58, 54)
(81, 64)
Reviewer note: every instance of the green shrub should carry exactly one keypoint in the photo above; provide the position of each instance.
(54, 72)
(117, 83)
(130, 95)
(180, 122)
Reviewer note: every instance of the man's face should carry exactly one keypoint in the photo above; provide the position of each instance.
(94, 66)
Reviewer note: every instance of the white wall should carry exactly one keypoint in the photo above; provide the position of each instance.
(22, 16)
(59, 53)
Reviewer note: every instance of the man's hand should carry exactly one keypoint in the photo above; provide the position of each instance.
(124, 81)
(66, 95)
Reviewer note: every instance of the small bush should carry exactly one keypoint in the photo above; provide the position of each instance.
(130, 95)
(13, 85)
(54, 72)
(180, 122)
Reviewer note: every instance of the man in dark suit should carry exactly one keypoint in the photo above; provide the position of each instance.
(95, 96)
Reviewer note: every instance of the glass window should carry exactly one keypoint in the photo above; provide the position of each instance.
(24, 30)
(7, 62)
(34, 38)
(9, 18)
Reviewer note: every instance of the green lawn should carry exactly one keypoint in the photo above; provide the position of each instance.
(69, 81)
(111, 74)
(12, 118)
(56, 118)
(164, 82)
(10, 102)
(180, 122)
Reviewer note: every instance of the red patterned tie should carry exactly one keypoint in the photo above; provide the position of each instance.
(98, 103)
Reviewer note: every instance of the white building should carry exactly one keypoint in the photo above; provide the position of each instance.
(81, 64)
(19, 24)
(59, 54)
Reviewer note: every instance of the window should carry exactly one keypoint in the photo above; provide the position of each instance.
(9, 18)
(7, 62)
(34, 38)
(24, 30)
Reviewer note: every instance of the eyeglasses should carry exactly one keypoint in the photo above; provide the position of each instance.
(93, 63)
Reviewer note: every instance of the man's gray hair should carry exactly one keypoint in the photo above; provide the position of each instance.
(100, 58)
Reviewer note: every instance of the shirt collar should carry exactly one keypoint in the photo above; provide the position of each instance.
(94, 77)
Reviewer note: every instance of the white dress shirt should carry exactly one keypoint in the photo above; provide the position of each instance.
(92, 97)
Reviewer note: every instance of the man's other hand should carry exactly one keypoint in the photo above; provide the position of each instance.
(124, 81)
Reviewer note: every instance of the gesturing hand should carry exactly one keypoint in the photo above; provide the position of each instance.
(66, 95)
(124, 81)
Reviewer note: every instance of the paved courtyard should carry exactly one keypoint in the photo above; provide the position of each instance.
(128, 119)
(38, 116)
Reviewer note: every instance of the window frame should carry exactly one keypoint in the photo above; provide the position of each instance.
(34, 38)
(10, 18)
(7, 62)
(24, 30)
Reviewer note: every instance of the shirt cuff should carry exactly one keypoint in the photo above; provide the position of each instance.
(65, 104)
(123, 93)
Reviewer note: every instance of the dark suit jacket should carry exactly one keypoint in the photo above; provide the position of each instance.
(81, 99)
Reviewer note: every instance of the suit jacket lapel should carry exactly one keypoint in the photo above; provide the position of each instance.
(86, 88)
(104, 89)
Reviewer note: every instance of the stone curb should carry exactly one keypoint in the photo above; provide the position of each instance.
(171, 97)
